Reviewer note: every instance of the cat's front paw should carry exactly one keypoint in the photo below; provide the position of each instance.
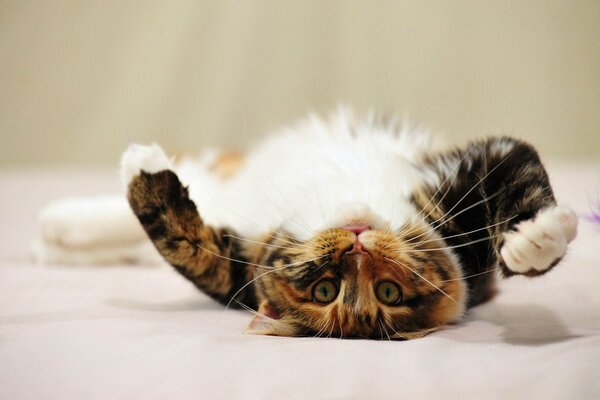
(139, 158)
(537, 244)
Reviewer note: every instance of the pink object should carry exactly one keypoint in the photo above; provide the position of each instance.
(594, 217)
(357, 229)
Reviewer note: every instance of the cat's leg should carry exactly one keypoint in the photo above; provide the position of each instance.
(495, 207)
(91, 230)
(208, 257)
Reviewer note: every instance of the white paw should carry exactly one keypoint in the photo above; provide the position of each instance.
(87, 222)
(538, 242)
(138, 158)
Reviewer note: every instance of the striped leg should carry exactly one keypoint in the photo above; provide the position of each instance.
(199, 252)
(497, 206)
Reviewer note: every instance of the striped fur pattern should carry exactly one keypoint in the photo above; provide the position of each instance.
(495, 183)
(200, 253)
(434, 265)
(430, 280)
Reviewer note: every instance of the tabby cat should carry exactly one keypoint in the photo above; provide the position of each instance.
(352, 228)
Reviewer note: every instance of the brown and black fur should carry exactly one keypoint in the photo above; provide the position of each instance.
(200, 253)
(496, 182)
(506, 181)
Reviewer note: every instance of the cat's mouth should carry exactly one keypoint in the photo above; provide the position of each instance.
(357, 228)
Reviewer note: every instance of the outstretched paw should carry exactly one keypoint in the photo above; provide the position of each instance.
(139, 158)
(537, 244)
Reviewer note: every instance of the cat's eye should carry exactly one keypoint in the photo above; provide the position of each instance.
(325, 291)
(388, 293)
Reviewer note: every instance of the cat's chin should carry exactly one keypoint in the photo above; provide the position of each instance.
(355, 217)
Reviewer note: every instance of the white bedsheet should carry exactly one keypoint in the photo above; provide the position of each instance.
(133, 332)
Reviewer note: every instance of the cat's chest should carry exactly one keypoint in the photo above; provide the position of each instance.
(307, 187)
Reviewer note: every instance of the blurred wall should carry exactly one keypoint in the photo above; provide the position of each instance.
(77, 77)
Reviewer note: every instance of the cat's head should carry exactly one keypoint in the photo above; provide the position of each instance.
(360, 283)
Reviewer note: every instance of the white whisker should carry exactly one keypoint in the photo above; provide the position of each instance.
(253, 311)
(441, 185)
(219, 204)
(447, 247)
(470, 232)
(233, 259)
(387, 246)
(306, 226)
(457, 214)
(321, 207)
(465, 195)
(294, 242)
(384, 330)
(274, 269)
(390, 326)
(470, 276)
(422, 277)
(322, 330)
(269, 244)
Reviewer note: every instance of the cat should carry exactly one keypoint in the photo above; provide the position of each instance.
(352, 228)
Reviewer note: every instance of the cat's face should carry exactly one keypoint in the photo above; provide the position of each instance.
(358, 284)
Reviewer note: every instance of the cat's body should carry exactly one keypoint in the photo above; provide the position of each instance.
(350, 228)
(317, 175)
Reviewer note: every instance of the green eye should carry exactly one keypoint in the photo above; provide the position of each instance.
(388, 293)
(325, 291)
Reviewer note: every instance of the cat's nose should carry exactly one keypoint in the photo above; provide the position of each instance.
(355, 257)
(357, 247)
(357, 229)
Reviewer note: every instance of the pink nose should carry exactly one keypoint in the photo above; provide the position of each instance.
(357, 229)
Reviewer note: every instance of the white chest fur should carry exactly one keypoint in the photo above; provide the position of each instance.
(316, 175)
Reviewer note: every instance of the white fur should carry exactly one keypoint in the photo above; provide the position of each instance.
(142, 252)
(315, 175)
(538, 242)
(100, 230)
(138, 158)
(89, 221)
(91, 230)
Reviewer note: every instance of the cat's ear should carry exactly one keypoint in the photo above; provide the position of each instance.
(267, 322)
(412, 335)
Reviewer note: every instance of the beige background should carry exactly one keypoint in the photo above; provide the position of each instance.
(76, 77)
